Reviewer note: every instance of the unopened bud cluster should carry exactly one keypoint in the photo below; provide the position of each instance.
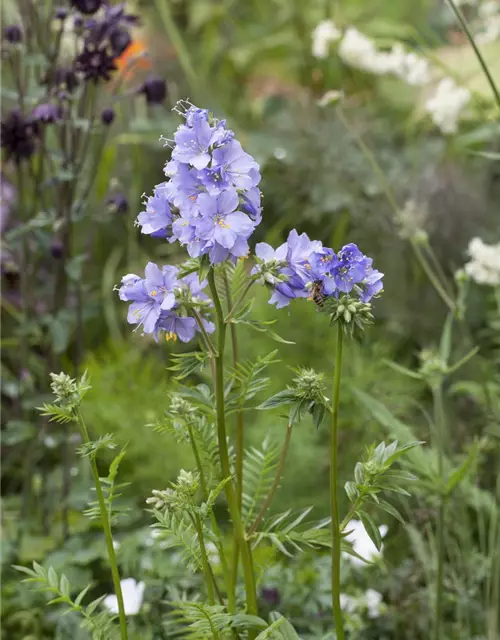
(310, 384)
(179, 496)
(352, 312)
(66, 390)
(432, 365)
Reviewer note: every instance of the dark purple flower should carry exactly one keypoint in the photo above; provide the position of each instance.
(118, 203)
(111, 29)
(19, 135)
(47, 113)
(107, 115)
(155, 90)
(57, 249)
(13, 33)
(61, 13)
(65, 79)
(271, 596)
(119, 40)
(95, 64)
(87, 6)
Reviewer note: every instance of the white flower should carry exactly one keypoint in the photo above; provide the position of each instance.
(373, 600)
(116, 545)
(361, 542)
(133, 593)
(359, 51)
(484, 267)
(212, 553)
(408, 67)
(446, 105)
(323, 35)
(348, 603)
(50, 442)
(330, 97)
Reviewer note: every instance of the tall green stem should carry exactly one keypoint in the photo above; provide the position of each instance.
(225, 569)
(334, 507)
(106, 525)
(204, 560)
(238, 530)
(439, 425)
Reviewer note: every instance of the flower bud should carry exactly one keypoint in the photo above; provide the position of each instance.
(87, 6)
(61, 13)
(57, 249)
(107, 115)
(13, 33)
(155, 90)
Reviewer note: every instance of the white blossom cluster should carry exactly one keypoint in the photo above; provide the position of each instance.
(487, 25)
(446, 105)
(133, 595)
(484, 266)
(371, 600)
(357, 50)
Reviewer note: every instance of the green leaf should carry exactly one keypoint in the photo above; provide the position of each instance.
(286, 397)
(247, 621)
(263, 328)
(286, 629)
(351, 490)
(371, 529)
(52, 578)
(388, 508)
(445, 344)
(64, 586)
(462, 470)
(204, 267)
(403, 370)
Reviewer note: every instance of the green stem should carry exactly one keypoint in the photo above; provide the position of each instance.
(225, 569)
(275, 485)
(106, 525)
(334, 507)
(240, 424)
(463, 23)
(238, 530)
(208, 343)
(204, 559)
(439, 424)
(239, 300)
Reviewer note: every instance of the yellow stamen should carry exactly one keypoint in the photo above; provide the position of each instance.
(170, 336)
(153, 293)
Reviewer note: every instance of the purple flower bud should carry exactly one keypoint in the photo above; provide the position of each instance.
(119, 40)
(64, 78)
(78, 23)
(19, 136)
(87, 6)
(271, 596)
(107, 115)
(12, 33)
(155, 90)
(118, 203)
(95, 64)
(47, 113)
(57, 249)
(61, 13)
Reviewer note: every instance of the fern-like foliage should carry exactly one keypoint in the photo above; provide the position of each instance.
(185, 364)
(198, 620)
(99, 624)
(247, 380)
(111, 491)
(177, 530)
(259, 470)
(288, 532)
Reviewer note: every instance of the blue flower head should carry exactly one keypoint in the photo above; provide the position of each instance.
(301, 268)
(212, 201)
(159, 300)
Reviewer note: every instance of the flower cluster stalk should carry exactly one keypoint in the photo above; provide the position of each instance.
(439, 425)
(334, 507)
(238, 529)
(106, 525)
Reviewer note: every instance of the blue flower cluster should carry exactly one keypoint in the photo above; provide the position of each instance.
(159, 302)
(301, 268)
(210, 202)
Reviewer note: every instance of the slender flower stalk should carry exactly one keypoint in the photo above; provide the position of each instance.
(207, 571)
(238, 529)
(106, 525)
(334, 508)
(439, 424)
(220, 547)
